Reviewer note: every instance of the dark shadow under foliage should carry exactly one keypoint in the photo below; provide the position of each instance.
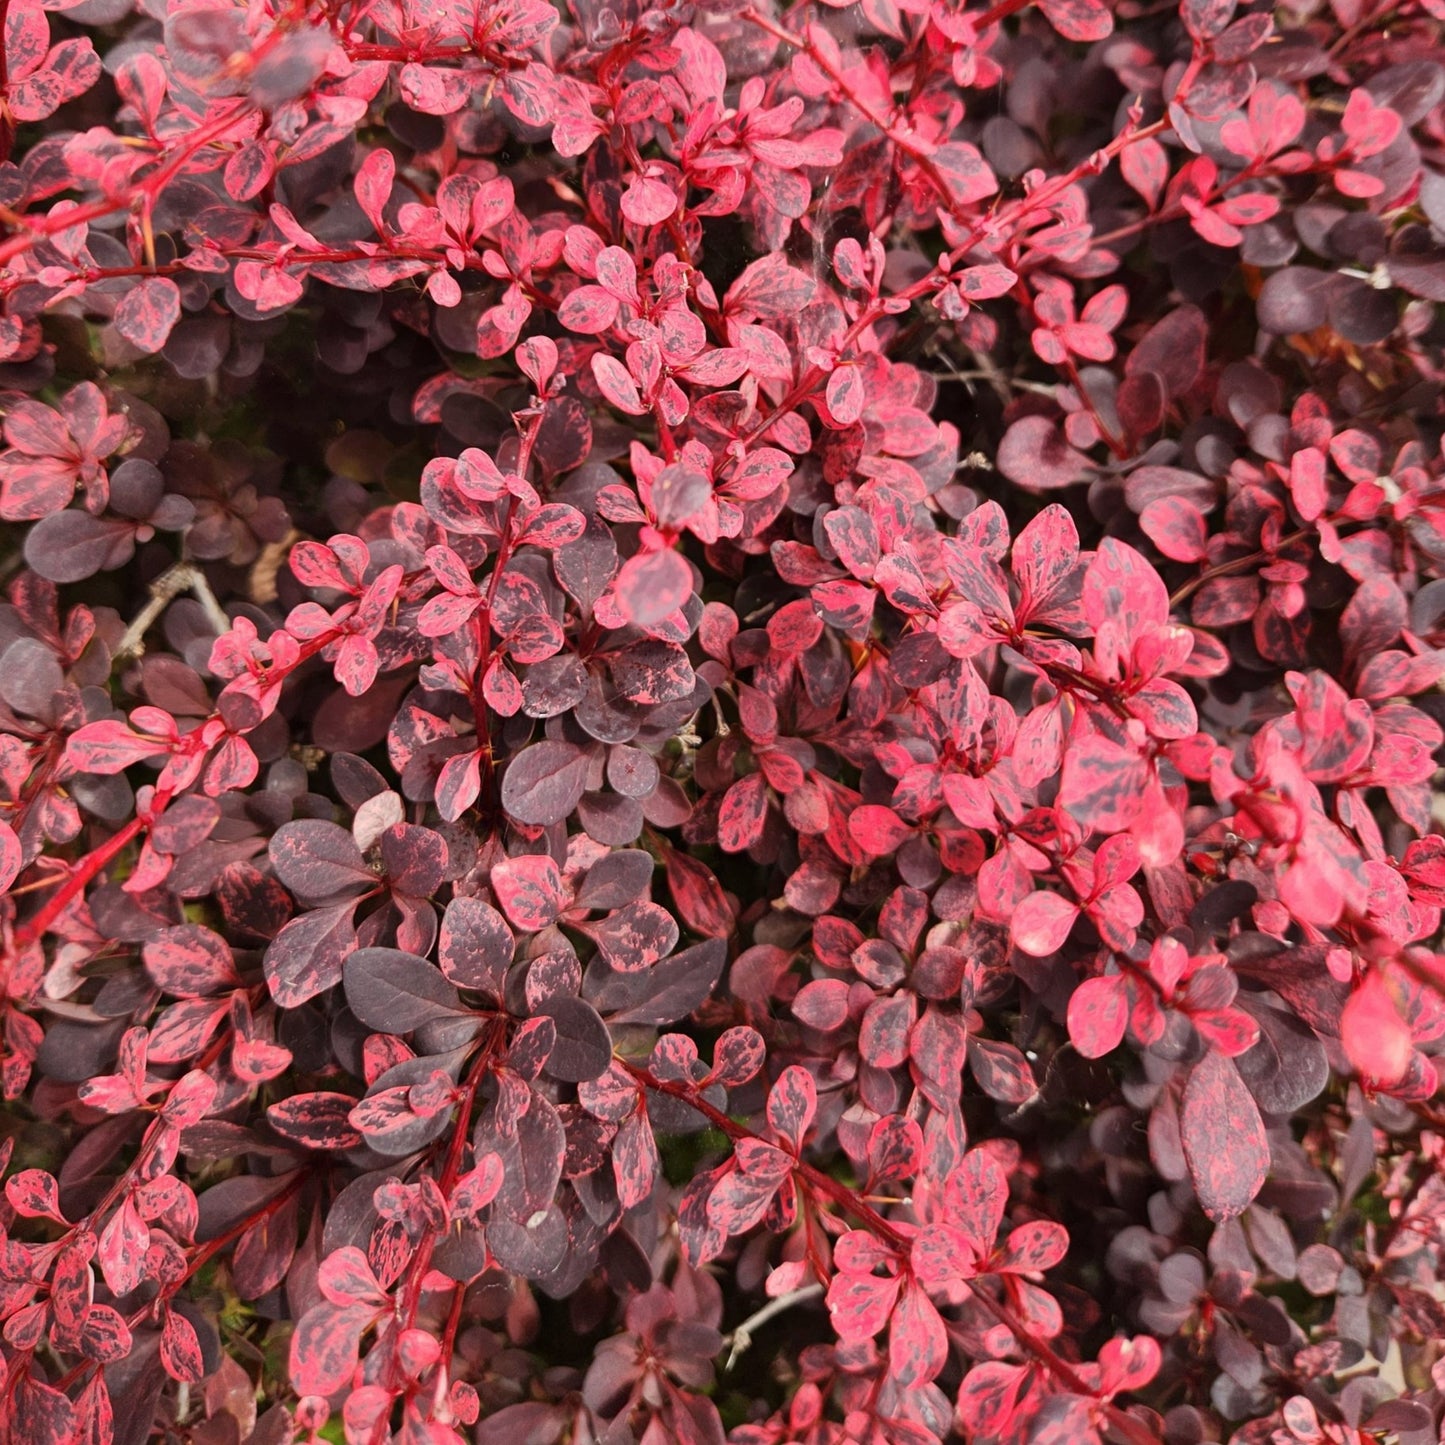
(717, 722)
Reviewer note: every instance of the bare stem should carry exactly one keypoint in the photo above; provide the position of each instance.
(742, 1336)
(184, 576)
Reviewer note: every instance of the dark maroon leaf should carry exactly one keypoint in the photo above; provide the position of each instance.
(663, 994)
(545, 782)
(318, 860)
(71, 546)
(1035, 455)
(583, 1048)
(395, 992)
(1295, 300)
(653, 672)
(1223, 1137)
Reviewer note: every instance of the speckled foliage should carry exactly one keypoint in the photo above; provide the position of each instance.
(717, 722)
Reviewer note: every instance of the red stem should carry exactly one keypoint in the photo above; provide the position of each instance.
(852, 1203)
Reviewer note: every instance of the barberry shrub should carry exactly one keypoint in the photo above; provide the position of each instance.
(717, 722)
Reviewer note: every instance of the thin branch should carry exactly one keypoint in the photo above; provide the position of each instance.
(215, 613)
(742, 1336)
(184, 576)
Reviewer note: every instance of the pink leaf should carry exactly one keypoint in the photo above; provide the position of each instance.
(1375, 1037)
(1081, 20)
(648, 202)
(617, 385)
(148, 311)
(1042, 922)
(1098, 1016)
